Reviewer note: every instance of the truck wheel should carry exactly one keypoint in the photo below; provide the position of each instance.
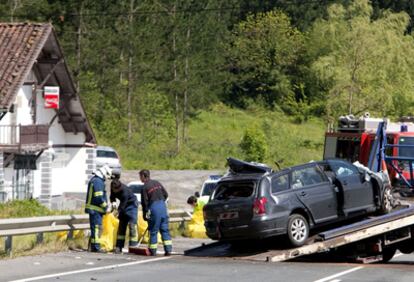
(388, 254)
(387, 201)
(297, 230)
(406, 248)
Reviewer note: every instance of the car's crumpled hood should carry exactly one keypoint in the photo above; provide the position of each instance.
(381, 175)
(239, 166)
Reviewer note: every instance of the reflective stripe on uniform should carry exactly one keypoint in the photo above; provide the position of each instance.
(121, 237)
(95, 208)
(133, 238)
(167, 243)
(133, 234)
(97, 234)
(153, 246)
(90, 189)
(89, 205)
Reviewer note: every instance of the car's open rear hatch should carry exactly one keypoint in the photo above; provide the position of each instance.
(232, 203)
(239, 167)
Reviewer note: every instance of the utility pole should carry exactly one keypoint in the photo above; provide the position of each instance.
(130, 71)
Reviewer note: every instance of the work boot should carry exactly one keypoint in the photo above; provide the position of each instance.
(167, 254)
(118, 250)
(153, 252)
(100, 251)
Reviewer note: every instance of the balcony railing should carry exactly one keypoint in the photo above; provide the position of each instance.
(23, 136)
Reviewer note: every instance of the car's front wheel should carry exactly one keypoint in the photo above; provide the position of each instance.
(298, 230)
(387, 202)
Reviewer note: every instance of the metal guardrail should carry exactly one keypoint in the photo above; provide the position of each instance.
(39, 225)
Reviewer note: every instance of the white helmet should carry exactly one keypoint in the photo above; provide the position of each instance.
(104, 172)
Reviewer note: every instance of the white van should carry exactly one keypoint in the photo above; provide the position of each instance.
(108, 156)
(208, 187)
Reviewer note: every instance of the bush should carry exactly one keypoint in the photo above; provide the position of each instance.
(253, 145)
(23, 208)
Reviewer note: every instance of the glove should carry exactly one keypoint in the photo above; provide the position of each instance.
(147, 215)
(109, 208)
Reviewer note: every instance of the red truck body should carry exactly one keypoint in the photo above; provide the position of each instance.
(355, 144)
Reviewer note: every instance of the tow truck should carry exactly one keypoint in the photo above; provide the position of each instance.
(374, 239)
(354, 140)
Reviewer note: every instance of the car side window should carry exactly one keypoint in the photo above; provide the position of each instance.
(343, 169)
(280, 183)
(307, 176)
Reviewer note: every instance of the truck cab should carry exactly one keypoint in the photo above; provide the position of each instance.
(353, 140)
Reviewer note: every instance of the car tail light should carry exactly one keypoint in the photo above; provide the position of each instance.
(259, 206)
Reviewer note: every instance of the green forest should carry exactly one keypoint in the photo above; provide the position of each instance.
(182, 84)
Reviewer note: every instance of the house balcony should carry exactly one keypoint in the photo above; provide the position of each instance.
(23, 138)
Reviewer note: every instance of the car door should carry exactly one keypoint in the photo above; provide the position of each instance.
(315, 192)
(358, 193)
(281, 193)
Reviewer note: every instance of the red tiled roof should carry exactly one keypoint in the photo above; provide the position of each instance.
(20, 45)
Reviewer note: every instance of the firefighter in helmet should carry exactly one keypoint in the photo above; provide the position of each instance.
(96, 204)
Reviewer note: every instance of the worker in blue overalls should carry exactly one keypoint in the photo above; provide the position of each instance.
(96, 205)
(154, 207)
(127, 213)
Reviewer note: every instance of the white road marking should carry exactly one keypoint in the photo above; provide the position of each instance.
(89, 269)
(346, 272)
(339, 274)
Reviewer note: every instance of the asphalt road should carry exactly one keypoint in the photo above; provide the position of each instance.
(83, 266)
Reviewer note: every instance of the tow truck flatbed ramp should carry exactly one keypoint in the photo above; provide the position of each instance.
(319, 243)
(344, 235)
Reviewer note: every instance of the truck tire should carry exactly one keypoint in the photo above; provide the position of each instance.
(388, 254)
(407, 248)
(297, 230)
(387, 201)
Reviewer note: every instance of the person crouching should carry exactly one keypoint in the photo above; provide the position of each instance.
(127, 214)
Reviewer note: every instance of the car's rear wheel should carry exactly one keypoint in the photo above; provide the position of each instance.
(387, 201)
(297, 230)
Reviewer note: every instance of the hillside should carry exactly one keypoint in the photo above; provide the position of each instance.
(216, 133)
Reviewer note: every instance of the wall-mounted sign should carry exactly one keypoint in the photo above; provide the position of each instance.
(51, 94)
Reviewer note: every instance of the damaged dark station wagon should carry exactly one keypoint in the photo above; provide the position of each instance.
(253, 202)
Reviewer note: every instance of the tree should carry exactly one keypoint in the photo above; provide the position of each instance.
(365, 65)
(262, 57)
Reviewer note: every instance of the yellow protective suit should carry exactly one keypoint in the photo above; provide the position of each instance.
(196, 228)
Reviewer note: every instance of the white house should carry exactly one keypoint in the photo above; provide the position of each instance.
(46, 142)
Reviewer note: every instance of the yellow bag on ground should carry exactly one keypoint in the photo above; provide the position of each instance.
(109, 231)
(63, 235)
(196, 228)
(142, 226)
